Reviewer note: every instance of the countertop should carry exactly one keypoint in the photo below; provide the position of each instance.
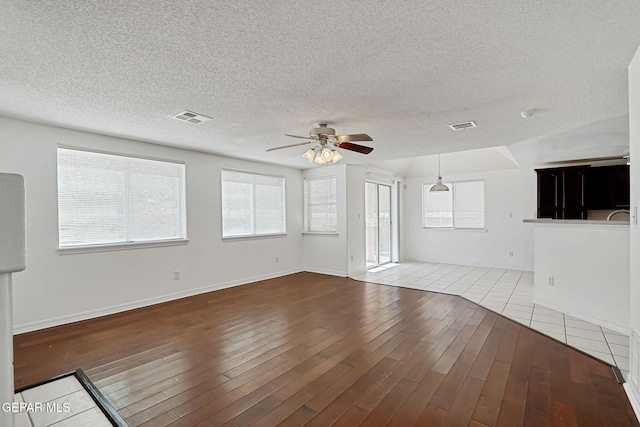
(574, 222)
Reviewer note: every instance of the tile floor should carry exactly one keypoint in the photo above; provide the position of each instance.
(65, 403)
(510, 293)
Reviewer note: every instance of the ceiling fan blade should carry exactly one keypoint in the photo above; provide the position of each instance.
(290, 145)
(303, 137)
(353, 137)
(355, 147)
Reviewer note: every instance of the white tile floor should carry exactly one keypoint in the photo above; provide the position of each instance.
(61, 403)
(510, 293)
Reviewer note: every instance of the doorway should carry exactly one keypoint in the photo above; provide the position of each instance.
(377, 223)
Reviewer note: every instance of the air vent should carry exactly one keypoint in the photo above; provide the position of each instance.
(463, 125)
(191, 117)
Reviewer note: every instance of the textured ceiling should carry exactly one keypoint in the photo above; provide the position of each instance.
(399, 71)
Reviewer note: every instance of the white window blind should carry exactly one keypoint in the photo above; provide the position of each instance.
(468, 205)
(108, 199)
(437, 207)
(320, 205)
(252, 204)
(461, 207)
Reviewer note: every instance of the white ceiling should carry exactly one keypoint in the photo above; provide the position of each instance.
(400, 72)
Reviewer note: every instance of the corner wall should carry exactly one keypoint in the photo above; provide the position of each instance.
(327, 253)
(632, 386)
(511, 191)
(57, 289)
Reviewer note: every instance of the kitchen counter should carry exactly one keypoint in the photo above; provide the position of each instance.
(581, 268)
(574, 222)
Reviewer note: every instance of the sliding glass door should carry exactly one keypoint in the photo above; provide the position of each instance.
(378, 223)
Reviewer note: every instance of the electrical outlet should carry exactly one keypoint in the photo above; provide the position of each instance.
(510, 253)
(351, 258)
(176, 275)
(277, 260)
(509, 215)
(551, 281)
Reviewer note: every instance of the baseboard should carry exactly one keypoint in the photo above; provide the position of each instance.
(583, 316)
(634, 397)
(77, 317)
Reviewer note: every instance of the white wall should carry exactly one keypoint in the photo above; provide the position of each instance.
(56, 289)
(589, 264)
(633, 382)
(511, 191)
(356, 177)
(327, 253)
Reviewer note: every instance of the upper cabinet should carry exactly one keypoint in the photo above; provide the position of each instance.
(608, 187)
(569, 192)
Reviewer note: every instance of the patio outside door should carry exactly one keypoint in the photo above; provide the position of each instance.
(378, 223)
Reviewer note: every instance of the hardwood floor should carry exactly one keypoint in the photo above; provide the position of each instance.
(308, 349)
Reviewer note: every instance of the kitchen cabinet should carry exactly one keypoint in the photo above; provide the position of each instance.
(608, 187)
(569, 192)
(561, 193)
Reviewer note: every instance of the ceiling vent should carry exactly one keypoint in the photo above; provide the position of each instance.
(463, 125)
(191, 117)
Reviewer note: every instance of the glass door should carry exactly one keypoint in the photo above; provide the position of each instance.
(378, 223)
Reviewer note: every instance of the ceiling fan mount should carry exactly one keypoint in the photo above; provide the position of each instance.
(321, 129)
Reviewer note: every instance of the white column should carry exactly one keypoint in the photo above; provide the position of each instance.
(6, 348)
(12, 259)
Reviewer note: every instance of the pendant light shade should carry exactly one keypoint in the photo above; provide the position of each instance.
(439, 186)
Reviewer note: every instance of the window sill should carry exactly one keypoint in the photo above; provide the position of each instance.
(253, 236)
(70, 250)
(450, 229)
(321, 233)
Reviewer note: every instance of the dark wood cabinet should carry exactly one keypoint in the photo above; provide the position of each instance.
(569, 192)
(561, 193)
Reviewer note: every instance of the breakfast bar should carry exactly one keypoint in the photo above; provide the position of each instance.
(581, 268)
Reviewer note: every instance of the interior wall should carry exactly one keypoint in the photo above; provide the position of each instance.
(356, 177)
(633, 382)
(327, 253)
(510, 197)
(56, 289)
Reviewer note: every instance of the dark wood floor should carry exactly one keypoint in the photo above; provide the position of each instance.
(315, 350)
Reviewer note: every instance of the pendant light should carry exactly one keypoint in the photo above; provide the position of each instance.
(439, 186)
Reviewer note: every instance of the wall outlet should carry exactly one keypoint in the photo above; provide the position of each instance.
(176, 275)
(277, 260)
(351, 258)
(509, 214)
(551, 281)
(510, 253)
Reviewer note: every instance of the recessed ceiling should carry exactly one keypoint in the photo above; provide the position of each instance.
(398, 72)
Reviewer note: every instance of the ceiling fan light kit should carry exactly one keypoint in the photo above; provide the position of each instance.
(328, 141)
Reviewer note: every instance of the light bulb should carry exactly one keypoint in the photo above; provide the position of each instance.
(326, 154)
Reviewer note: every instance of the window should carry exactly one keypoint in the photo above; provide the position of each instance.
(461, 207)
(107, 199)
(320, 205)
(252, 204)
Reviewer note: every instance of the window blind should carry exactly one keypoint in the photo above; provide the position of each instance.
(112, 199)
(468, 204)
(461, 207)
(320, 205)
(252, 204)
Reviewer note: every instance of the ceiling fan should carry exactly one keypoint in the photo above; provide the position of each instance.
(327, 141)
